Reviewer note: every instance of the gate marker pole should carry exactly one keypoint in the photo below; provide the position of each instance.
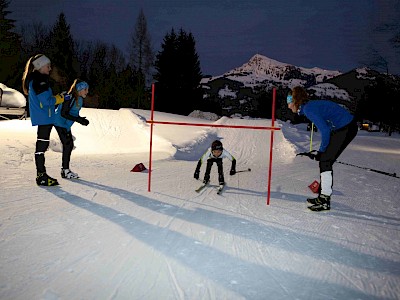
(151, 134)
(272, 128)
(271, 145)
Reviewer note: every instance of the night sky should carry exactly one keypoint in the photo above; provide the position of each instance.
(333, 35)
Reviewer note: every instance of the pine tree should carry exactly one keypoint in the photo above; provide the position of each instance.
(125, 87)
(97, 73)
(141, 53)
(62, 54)
(10, 44)
(141, 56)
(178, 74)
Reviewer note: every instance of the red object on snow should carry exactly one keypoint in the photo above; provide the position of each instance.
(314, 187)
(139, 168)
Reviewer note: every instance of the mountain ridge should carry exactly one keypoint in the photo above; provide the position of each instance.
(261, 69)
(246, 89)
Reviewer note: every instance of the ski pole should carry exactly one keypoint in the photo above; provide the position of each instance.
(370, 169)
(311, 135)
(247, 170)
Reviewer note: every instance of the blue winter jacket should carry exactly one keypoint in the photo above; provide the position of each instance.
(68, 112)
(41, 100)
(328, 116)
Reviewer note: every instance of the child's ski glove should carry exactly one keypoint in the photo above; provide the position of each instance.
(59, 98)
(83, 121)
(233, 168)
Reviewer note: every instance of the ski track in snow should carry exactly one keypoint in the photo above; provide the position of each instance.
(105, 236)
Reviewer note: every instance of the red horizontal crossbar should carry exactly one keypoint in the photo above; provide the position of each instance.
(214, 125)
(271, 128)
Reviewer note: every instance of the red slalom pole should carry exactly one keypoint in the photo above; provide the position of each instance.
(151, 135)
(271, 145)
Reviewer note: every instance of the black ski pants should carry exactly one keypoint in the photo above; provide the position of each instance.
(340, 139)
(42, 144)
(67, 145)
(210, 163)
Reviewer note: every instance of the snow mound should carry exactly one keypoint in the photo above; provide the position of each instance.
(113, 131)
(204, 115)
(126, 131)
(11, 97)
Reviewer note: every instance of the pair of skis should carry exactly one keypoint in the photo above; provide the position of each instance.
(221, 186)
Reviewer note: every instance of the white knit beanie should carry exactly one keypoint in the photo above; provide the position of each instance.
(41, 61)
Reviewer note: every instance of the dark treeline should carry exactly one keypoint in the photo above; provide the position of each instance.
(114, 81)
(117, 80)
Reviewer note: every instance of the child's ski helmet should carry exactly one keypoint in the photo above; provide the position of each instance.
(216, 145)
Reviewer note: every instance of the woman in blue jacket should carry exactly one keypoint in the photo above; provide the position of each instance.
(337, 127)
(35, 84)
(67, 114)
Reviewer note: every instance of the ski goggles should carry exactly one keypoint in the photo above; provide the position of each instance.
(289, 99)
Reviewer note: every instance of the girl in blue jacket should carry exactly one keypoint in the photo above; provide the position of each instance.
(35, 84)
(337, 127)
(66, 115)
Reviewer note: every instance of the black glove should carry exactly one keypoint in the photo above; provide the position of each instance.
(314, 155)
(317, 156)
(83, 121)
(197, 172)
(233, 168)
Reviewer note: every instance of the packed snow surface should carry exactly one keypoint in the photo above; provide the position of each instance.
(105, 236)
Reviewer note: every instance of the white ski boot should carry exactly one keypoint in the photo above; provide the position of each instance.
(68, 174)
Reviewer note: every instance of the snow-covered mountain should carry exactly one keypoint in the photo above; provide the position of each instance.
(244, 89)
(241, 90)
(261, 69)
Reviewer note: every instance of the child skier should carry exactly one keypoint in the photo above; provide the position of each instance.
(66, 114)
(36, 85)
(215, 154)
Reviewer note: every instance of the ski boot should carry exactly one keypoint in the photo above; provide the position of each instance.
(221, 179)
(206, 178)
(68, 174)
(45, 180)
(322, 202)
